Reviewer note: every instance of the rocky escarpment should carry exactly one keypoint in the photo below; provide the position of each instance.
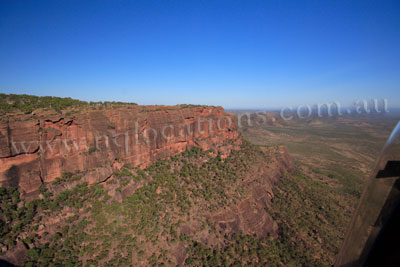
(38, 148)
(250, 215)
(141, 180)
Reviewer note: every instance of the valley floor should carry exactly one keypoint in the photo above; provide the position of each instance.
(334, 157)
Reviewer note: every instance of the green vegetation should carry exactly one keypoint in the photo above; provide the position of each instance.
(29, 103)
(68, 177)
(249, 250)
(192, 106)
(334, 156)
(145, 224)
(144, 216)
(314, 217)
(92, 150)
(15, 216)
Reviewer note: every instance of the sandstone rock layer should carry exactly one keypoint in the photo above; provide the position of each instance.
(38, 148)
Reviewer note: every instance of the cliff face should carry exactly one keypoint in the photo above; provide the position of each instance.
(38, 148)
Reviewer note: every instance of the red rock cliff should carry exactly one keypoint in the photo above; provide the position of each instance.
(38, 148)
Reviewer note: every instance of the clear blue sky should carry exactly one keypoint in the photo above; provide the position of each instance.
(238, 54)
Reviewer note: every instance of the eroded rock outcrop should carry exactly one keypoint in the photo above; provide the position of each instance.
(250, 215)
(38, 148)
